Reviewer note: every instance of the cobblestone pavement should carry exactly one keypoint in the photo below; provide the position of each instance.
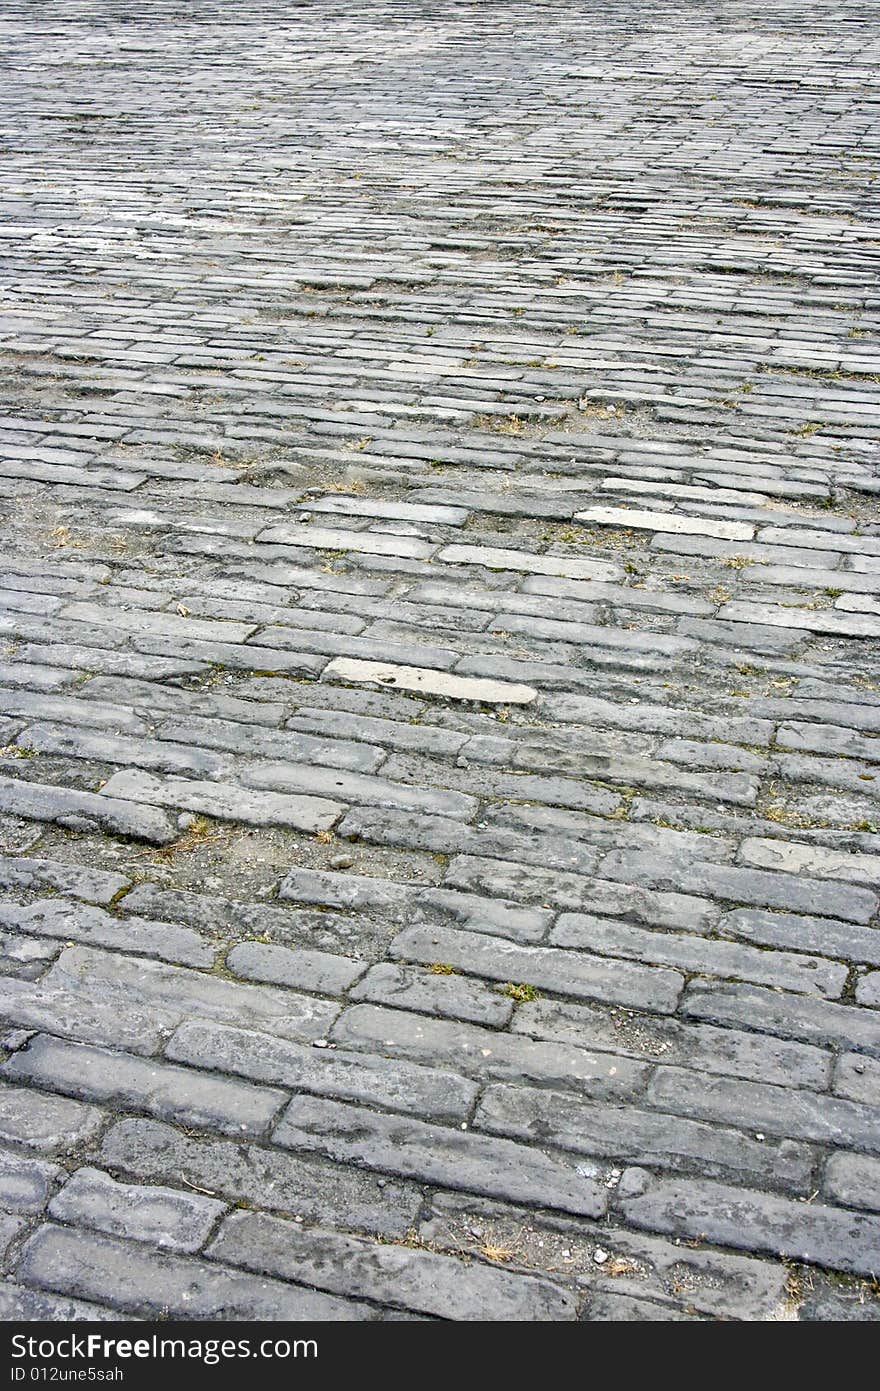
(439, 741)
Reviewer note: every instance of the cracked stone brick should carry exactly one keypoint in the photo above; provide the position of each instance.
(86, 1265)
(586, 976)
(811, 859)
(357, 788)
(789, 1016)
(775, 1110)
(176, 992)
(141, 792)
(327, 1194)
(84, 810)
(751, 1221)
(59, 918)
(242, 739)
(697, 956)
(823, 936)
(79, 881)
(683, 912)
(486, 1053)
(167, 1217)
(702, 1047)
(91, 714)
(430, 1091)
(169, 1093)
(640, 1136)
(743, 886)
(448, 995)
(433, 1154)
(410, 1278)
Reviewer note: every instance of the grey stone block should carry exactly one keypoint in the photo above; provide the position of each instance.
(309, 970)
(432, 1154)
(697, 956)
(170, 1093)
(641, 1136)
(548, 968)
(148, 1283)
(166, 1217)
(853, 1180)
(767, 1109)
(327, 1194)
(437, 1285)
(451, 996)
(51, 1124)
(25, 1183)
(748, 1220)
(485, 1053)
(176, 993)
(78, 881)
(323, 1071)
(60, 919)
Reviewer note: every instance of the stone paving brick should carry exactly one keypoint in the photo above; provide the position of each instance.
(327, 1194)
(410, 678)
(858, 1078)
(746, 1219)
(643, 1137)
(442, 993)
(431, 1154)
(141, 791)
(49, 1124)
(17, 1302)
(439, 707)
(176, 993)
(486, 1054)
(26, 1184)
(729, 1051)
(73, 922)
(308, 970)
(325, 1071)
(788, 1016)
(132, 1083)
(852, 1179)
(173, 1220)
(823, 936)
(79, 881)
(744, 885)
(565, 973)
(148, 1283)
(412, 1279)
(84, 810)
(697, 956)
(868, 990)
(774, 1110)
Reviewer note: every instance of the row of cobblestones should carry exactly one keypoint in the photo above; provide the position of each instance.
(439, 715)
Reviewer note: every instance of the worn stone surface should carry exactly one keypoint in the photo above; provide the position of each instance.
(167, 1217)
(439, 702)
(414, 1279)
